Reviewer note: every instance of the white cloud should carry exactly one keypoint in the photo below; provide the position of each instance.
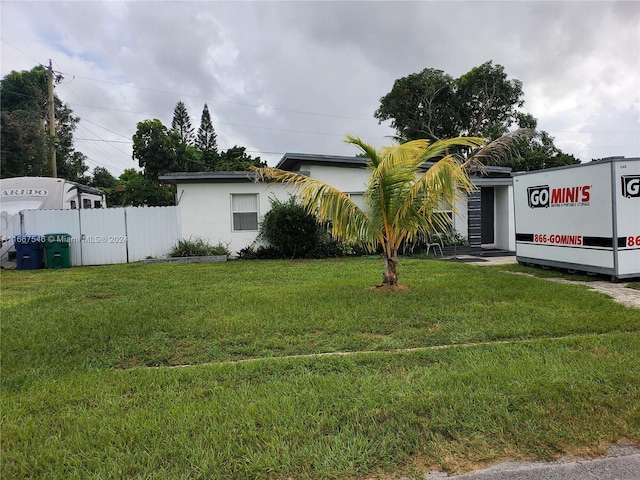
(298, 76)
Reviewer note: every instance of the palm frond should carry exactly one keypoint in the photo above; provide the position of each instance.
(368, 150)
(349, 222)
(500, 149)
(442, 147)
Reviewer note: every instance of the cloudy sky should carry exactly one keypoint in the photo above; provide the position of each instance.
(297, 76)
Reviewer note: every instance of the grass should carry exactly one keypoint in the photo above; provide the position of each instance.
(565, 274)
(554, 370)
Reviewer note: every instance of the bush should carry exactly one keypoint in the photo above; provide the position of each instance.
(198, 248)
(293, 233)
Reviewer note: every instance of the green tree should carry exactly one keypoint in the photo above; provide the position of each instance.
(156, 149)
(206, 140)
(402, 200)
(26, 92)
(106, 182)
(433, 105)
(237, 159)
(539, 152)
(181, 123)
(74, 168)
(482, 102)
(134, 189)
(422, 105)
(23, 144)
(488, 102)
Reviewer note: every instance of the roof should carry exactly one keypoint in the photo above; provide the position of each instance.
(208, 177)
(292, 161)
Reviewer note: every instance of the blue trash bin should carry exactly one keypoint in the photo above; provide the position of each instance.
(29, 251)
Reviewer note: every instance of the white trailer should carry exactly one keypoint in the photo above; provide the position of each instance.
(581, 217)
(39, 193)
(46, 193)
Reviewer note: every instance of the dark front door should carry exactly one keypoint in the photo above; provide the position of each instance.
(487, 215)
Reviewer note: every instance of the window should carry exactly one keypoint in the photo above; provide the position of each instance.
(245, 211)
(97, 204)
(358, 199)
(86, 203)
(73, 204)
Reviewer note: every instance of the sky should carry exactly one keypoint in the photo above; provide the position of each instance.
(298, 76)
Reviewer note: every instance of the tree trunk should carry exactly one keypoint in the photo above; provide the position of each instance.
(390, 276)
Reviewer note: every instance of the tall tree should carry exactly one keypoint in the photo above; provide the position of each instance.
(206, 140)
(24, 103)
(482, 102)
(24, 145)
(156, 148)
(431, 104)
(181, 123)
(488, 102)
(74, 168)
(422, 105)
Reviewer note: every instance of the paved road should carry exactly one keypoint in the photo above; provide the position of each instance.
(622, 462)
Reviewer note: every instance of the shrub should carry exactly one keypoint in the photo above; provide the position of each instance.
(198, 248)
(293, 233)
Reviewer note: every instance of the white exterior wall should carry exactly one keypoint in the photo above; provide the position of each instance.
(505, 236)
(460, 219)
(205, 210)
(355, 180)
(348, 180)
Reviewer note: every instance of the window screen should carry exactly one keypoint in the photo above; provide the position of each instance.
(245, 211)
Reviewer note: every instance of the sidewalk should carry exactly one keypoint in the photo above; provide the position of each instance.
(622, 462)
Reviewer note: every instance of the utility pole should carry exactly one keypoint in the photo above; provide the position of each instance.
(52, 123)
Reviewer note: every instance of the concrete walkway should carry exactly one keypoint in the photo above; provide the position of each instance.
(622, 462)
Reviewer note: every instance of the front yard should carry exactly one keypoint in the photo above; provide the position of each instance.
(210, 370)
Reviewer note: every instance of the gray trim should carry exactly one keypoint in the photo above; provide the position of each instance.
(208, 177)
(614, 216)
(292, 161)
(492, 182)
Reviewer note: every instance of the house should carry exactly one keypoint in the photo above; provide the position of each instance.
(227, 206)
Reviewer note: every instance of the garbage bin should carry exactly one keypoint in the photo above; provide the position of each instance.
(56, 248)
(28, 251)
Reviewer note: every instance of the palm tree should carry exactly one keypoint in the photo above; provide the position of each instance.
(402, 198)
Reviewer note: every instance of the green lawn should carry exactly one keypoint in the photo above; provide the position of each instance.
(531, 369)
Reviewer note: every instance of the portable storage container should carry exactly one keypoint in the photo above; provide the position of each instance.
(582, 217)
(57, 252)
(28, 252)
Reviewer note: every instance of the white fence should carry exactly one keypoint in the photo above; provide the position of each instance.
(107, 236)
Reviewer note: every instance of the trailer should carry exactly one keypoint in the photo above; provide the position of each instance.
(45, 193)
(582, 217)
(39, 193)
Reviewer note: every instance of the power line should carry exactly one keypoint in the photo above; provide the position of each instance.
(24, 53)
(253, 105)
(102, 140)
